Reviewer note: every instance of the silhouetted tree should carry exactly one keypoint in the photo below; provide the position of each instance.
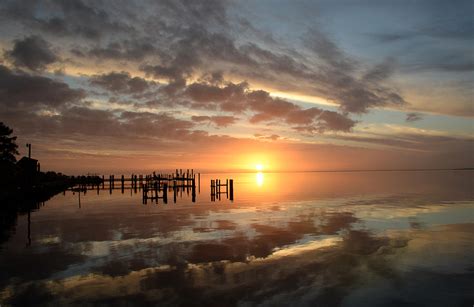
(8, 147)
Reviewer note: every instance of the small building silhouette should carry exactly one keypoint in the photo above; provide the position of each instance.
(28, 165)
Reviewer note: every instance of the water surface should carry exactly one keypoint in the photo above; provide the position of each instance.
(299, 239)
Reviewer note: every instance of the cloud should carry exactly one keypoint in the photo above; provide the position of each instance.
(218, 121)
(413, 117)
(120, 82)
(272, 137)
(19, 90)
(148, 124)
(209, 13)
(327, 50)
(380, 72)
(132, 50)
(239, 98)
(434, 145)
(230, 97)
(209, 56)
(391, 37)
(70, 18)
(32, 52)
(175, 40)
(338, 74)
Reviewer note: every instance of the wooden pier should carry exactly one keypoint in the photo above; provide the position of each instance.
(155, 187)
(216, 189)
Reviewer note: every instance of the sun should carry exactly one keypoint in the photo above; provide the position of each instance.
(259, 167)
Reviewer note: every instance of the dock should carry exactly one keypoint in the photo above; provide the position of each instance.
(155, 187)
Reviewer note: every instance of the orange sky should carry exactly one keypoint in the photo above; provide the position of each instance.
(225, 86)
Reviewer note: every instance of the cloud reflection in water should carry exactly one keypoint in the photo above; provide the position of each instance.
(387, 246)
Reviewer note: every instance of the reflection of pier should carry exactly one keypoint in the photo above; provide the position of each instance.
(157, 186)
(216, 189)
(162, 184)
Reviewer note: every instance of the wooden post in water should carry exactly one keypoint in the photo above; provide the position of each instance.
(123, 183)
(103, 182)
(156, 186)
(227, 188)
(174, 191)
(231, 189)
(193, 192)
(165, 193)
(136, 184)
(212, 190)
(187, 183)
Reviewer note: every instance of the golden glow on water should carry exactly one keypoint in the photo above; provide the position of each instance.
(287, 223)
(259, 178)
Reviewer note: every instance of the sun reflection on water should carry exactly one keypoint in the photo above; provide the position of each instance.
(259, 178)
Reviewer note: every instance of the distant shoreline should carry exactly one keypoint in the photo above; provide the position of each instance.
(346, 171)
(206, 172)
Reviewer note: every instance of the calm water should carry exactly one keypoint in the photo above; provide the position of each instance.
(294, 239)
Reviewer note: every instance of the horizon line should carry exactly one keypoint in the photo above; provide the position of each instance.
(304, 171)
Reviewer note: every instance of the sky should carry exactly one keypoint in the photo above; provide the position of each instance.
(123, 86)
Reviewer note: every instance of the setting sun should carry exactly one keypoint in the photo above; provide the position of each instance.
(259, 167)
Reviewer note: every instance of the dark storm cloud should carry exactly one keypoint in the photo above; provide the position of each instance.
(19, 90)
(120, 82)
(32, 52)
(413, 117)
